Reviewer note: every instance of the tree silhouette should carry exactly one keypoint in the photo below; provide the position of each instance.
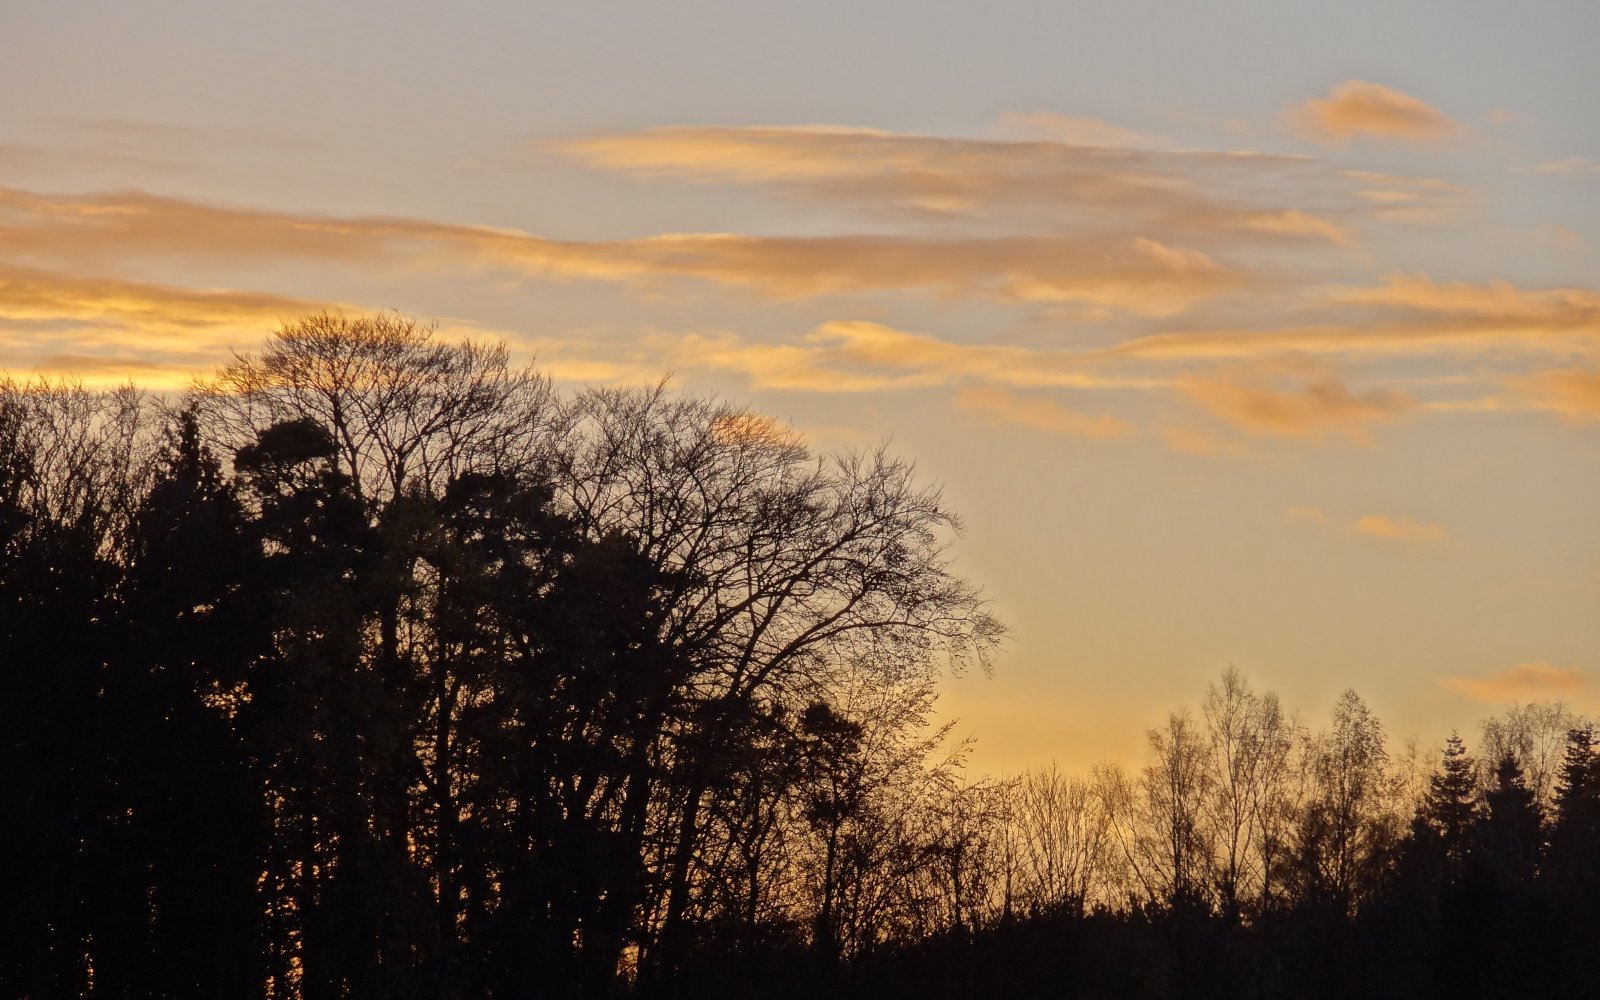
(380, 669)
(1450, 809)
(195, 827)
(1347, 826)
(1512, 832)
(53, 586)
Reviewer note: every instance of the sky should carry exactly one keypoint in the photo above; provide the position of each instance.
(1250, 334)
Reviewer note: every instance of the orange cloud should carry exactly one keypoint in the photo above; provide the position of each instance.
(1139, 276)
(999, 406)
(1409, 199)
(1573, 393)
(1405, 314)
(1251, 400)
(1557, 307)
(1358, 108)
(35, 295)
(1104, 273)
(1210, 197)
(106, 331)
(90, 229)
(845, 356)
(1523, 682)
(1402, 529)
(1134, 274)
(1306, 515)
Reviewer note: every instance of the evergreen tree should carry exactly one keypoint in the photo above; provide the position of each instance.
(184, 857)
(1449, 809)
(1512, 831)
(1575, 831)
(1571, 875)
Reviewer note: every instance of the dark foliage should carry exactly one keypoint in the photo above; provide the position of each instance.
(381, 673)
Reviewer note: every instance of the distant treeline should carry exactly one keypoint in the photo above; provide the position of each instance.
(374, 667)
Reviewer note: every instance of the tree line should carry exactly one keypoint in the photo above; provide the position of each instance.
(373, 666)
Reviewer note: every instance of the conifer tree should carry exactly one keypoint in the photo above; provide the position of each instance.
(1511, 824)
(1575, 833)
(1450, 806)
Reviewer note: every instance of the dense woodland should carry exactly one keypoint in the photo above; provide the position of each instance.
(373, 666)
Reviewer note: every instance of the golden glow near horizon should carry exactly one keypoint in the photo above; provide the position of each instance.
(1298, 371)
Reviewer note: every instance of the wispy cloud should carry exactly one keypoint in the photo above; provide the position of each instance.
(1359, 108)
(1573, 393)
(37, 295)
(48, 241)
(1215, 198)
(106, 330)
(1265, 400)
(1138, 275)
(1405, 314)
(1003, 407)
(1402, 530)
(854, 356)
(1399, 529)
(1306, 515)
(1524, 682)
(1404, 198)
(1568, 307)
(1158, 263)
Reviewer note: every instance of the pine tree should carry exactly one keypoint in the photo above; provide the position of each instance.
(1570, 877)
(1511, 825)
(188, 852)
(1575, 833)
(1450, 808)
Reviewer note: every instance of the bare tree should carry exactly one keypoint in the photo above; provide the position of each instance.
(872, 813)
(1535, 736)
(783, 565)
(89, 454)
(1349, 821)
(1248, 745)
(1159, 818)
(1064, 842)
(406, 410)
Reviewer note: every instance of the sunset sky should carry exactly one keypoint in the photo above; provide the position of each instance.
(1243, 333)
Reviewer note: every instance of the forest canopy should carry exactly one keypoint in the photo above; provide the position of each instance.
(376, 666)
